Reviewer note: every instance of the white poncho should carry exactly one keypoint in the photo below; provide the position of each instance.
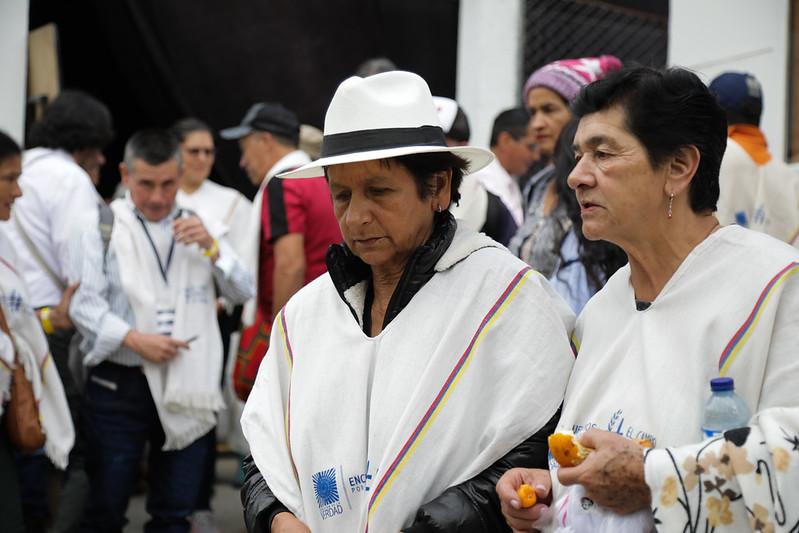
(730, 309)
(34, 354)
(355, 433)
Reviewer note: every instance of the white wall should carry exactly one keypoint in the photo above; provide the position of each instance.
(13, 65)
(489, 62)
(712, 36)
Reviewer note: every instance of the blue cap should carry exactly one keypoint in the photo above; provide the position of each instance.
(739, 93)
(722, 384)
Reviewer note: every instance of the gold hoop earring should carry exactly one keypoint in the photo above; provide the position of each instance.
(671, 201)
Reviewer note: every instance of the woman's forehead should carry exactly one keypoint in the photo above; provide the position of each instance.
(608, 125)
(365, 172)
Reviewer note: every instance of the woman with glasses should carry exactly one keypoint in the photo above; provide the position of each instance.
(226, 209)
(226, 212)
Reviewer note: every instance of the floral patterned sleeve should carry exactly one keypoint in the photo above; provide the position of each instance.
(747, 480)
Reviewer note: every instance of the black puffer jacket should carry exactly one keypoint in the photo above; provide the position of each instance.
(472, 506)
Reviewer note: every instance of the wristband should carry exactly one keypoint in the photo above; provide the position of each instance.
(213, 250)
(44, 318)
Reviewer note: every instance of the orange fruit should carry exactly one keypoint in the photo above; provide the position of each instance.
(566, 450)
(526, 495)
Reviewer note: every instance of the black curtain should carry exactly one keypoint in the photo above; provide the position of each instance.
(154, 61)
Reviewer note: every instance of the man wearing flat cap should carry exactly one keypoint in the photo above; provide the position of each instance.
(293, 222)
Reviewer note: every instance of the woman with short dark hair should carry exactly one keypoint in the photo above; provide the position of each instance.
(27, 346)
(696, 301)
(401, 384)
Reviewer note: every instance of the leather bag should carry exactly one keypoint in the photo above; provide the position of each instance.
(23, 426)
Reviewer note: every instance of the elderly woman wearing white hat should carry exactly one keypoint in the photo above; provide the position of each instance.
(399, 386)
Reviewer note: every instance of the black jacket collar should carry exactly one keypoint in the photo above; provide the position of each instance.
(347, 270)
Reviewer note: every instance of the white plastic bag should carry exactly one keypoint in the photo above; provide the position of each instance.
(575, 512)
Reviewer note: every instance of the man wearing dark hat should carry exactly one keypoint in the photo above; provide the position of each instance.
(756, 190)
(293, 222)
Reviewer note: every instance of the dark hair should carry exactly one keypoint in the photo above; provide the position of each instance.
(152, 146)
(666, 110)
(183, 127)
(600, 258)
(73, 121)
(375, 65)
(422, 166)
(514, 121)
(8, 147)
(460, 131)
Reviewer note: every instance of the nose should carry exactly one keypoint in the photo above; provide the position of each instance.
(16, 192)
(158, 196)
(581, 175)
(537, 121)
(358, 212)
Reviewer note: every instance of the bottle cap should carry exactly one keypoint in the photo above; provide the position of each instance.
(722, 384)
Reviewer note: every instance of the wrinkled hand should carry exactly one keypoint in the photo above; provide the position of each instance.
(288, 523)
(190, 230)
(612, 474)
(59, 315)
(153, 347)
(524, 520)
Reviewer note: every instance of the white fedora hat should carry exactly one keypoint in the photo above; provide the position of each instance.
(386, 115)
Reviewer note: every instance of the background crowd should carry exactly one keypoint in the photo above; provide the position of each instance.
(142, 322)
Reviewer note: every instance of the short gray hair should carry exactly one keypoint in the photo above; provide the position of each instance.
(153, 146)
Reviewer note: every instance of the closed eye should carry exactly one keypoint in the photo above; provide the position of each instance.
(342, 196)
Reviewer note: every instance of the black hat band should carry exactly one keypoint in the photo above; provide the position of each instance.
(381, 139)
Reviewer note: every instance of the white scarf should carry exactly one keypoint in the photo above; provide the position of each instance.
(251, 257)
(716, 316)
(498, 182)
(225, 210)
(760, 197)
(34, 355)
(354, 433)
(186, 389)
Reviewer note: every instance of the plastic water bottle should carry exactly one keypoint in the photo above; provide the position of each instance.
(724, 409)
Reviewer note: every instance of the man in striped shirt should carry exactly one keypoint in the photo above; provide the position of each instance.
(141, 307)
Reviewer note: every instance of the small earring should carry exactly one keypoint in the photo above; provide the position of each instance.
(671, 201)
(440, 209)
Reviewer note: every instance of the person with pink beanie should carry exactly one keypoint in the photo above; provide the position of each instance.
(547, 239)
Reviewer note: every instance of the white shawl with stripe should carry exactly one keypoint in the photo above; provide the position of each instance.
(186, 389)
(354, 433)
(730, 309)
(34, 354)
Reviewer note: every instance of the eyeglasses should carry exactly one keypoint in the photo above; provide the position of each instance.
(197, 151)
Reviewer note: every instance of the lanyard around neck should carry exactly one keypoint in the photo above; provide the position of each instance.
(163, 268)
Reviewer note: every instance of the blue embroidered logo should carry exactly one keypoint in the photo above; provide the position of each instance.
(196, 294)
(325, 487)
(14, 301)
